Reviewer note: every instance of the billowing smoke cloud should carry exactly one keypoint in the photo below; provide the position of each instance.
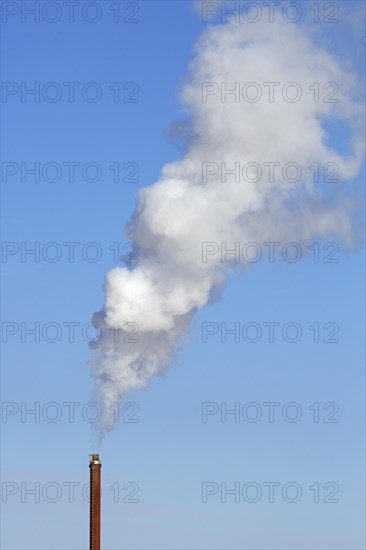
(278, 123)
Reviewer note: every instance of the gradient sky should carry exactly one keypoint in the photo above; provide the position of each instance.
(169, 453)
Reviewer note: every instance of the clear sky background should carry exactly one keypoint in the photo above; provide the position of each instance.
(169, 452)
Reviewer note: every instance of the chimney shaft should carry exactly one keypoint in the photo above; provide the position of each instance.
(95, 471)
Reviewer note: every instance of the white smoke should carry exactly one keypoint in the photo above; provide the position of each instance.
(180, 211)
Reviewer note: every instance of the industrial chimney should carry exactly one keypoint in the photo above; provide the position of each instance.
(95, 467)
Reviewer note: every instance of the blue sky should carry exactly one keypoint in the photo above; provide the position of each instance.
(169, 453)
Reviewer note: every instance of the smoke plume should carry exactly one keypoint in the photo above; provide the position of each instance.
(153, 303)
